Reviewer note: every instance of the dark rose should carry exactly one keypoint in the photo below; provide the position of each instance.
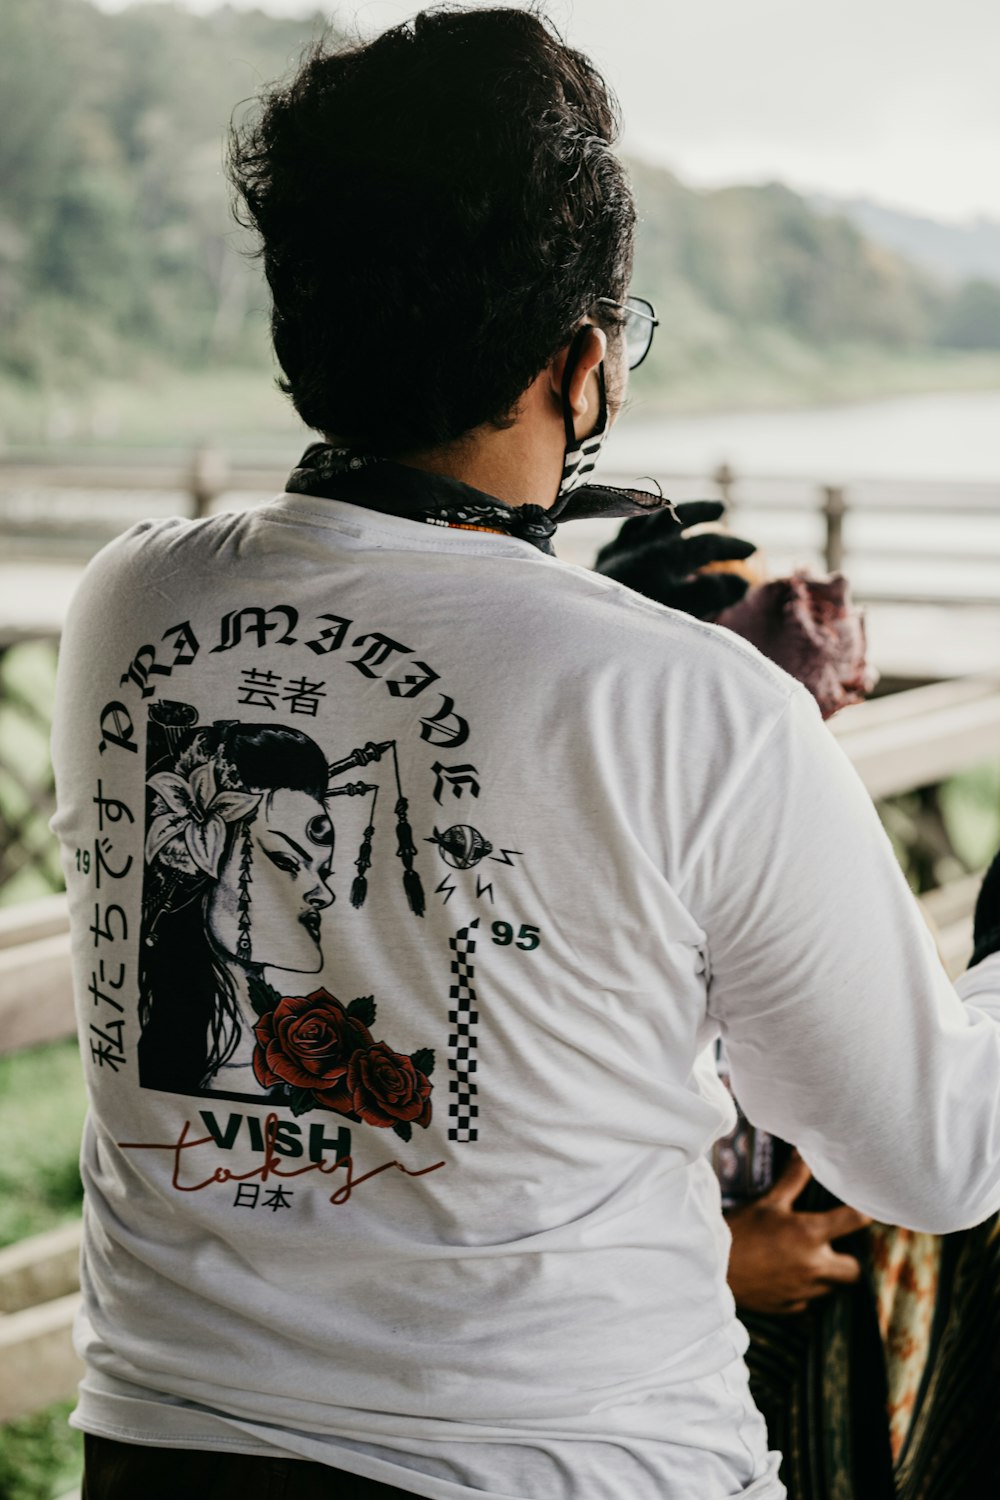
(307, 1041)
(386, 1088)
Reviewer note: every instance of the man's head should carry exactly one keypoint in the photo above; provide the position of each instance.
(439, 210)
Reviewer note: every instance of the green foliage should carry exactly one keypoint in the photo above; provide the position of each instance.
(43, 1101)
(938, 839)
(972, 319)
(118, 254)
(115, 233)
(40, 1456)
(753, 274)
(971, 807)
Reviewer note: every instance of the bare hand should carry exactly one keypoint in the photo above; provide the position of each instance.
(782, 1260)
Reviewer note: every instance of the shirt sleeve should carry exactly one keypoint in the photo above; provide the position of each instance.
(843, 1031)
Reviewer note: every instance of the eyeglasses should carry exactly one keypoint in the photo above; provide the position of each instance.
(639, 324)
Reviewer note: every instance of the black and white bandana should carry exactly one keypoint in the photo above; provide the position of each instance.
(396, 489)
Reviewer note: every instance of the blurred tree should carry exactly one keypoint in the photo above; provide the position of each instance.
(115, 235)
(117, 247)
(972, 319)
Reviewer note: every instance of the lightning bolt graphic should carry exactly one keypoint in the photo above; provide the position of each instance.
(503, 858)
(448, 889)
(484, 888)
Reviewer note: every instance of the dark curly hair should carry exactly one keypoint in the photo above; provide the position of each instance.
(438, 208)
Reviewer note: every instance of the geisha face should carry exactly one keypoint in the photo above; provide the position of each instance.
(288, 885)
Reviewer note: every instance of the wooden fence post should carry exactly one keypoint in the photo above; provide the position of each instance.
(724, 478)
(207, 478)
(834, 507)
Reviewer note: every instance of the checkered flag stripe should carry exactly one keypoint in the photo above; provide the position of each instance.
(463, 1111)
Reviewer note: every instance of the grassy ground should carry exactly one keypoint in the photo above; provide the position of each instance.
(42, 1105)
(41, 1458)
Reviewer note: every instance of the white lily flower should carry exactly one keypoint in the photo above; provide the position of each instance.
(198, 814)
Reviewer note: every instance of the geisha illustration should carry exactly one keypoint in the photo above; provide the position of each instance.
(239, 843)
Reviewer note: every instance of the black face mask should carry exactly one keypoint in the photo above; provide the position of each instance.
(581, 454)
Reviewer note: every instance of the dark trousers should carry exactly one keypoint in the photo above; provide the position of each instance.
(129, 1471)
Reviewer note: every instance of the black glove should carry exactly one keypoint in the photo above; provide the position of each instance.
(986, 924)
(652, 555)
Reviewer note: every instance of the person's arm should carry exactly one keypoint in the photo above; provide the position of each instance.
(843, 1032)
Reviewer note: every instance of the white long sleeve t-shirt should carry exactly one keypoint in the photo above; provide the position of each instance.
(416, 1183)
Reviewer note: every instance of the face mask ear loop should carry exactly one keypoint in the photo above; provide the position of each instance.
(573, 446)
(602, 388)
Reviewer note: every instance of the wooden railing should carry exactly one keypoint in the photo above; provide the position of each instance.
(66, 507)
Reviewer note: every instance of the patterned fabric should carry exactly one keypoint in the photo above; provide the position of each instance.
(890, 1389)
(952, 1451)
(818, 1379)
(396, 489)
(904, 1269)
(839, 1384)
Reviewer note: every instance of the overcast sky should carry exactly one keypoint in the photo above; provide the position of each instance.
(893, 99)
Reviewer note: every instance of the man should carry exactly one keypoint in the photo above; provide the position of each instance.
(423, 1196)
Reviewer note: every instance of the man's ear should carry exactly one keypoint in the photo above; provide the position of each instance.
(583, 392)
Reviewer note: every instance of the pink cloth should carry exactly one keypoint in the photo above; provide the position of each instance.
(809, 626)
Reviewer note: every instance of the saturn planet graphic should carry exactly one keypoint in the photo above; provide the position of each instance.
(461, 846)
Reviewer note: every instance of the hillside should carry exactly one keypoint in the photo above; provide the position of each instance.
(763, 292)
(118, 257)
(952, 252)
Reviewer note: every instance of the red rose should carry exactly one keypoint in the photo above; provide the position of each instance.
(385, 1088)
(307, 1041)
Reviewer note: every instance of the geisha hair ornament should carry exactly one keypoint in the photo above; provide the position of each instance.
(406, 849)
(243, 943)
(188, 836)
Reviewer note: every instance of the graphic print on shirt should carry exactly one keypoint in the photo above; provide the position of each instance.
(463, 1110)
(238, 849)
(245, 980)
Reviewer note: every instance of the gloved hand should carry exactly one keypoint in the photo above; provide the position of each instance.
(652, 555)
(986, 924)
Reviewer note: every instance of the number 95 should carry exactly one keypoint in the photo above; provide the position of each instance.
(527, 936)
